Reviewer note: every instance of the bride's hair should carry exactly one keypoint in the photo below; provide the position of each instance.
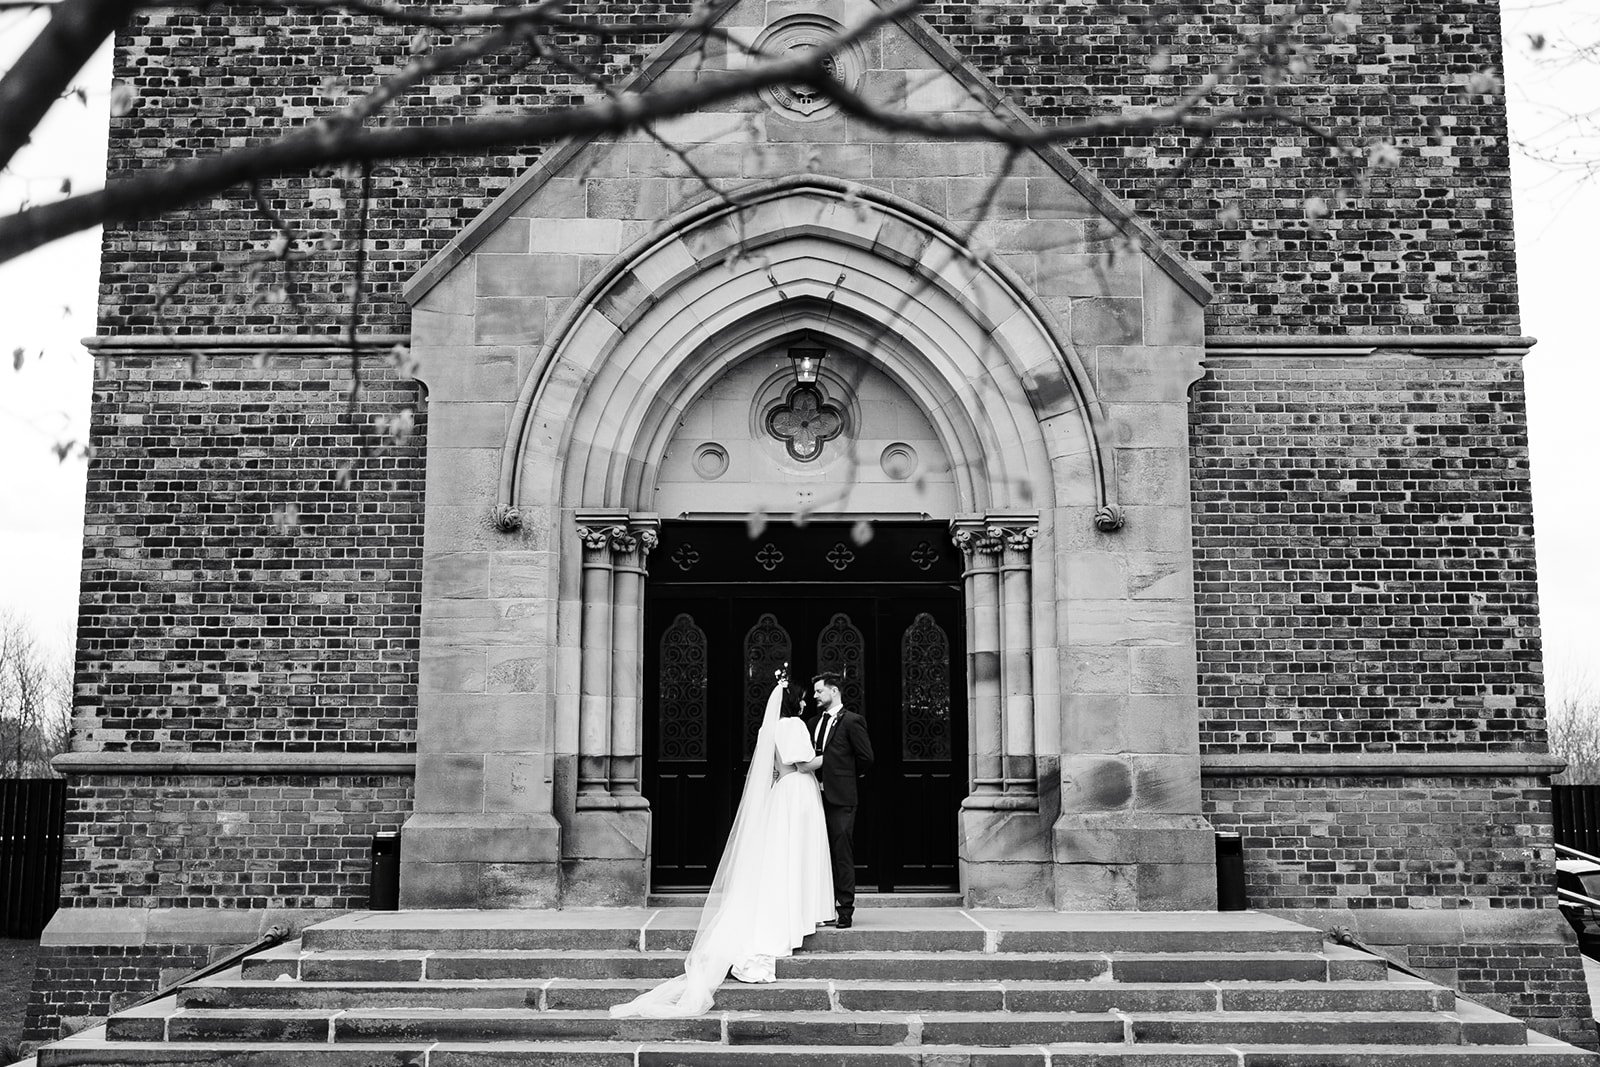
(794, 703)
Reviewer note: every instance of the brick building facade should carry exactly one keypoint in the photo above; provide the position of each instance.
(1241, 509)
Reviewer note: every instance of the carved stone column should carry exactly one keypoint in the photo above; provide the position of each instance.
(631, 553)
(1004, 839)
(1016, 658)
(980, 550)
(594, 676)
(605, 856)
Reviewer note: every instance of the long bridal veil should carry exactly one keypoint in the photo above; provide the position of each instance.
(728, 922)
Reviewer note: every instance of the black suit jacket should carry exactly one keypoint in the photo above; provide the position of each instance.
(848, 754)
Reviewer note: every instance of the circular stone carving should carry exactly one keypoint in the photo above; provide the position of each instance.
(806, 33)
(710, 461)
(899, 461)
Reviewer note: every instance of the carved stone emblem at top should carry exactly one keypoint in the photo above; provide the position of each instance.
(807, 33)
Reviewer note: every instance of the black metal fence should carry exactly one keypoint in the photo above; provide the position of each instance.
(31, 817)
(1575, 810)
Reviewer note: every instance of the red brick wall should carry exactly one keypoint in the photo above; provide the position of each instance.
(1364, 556)
(1440, 843)
(73, 985)
(226, 841)
(1543, 985)
(1428, 248)
(1419, 844)
(211, 621)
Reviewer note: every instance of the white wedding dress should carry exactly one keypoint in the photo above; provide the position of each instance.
(774, 884)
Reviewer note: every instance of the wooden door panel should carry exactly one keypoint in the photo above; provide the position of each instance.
(907, 819)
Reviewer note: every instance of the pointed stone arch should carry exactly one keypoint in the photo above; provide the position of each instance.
(872, 273)
(1011, 403)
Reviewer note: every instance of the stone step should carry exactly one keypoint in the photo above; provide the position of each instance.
(863, 900)
(875, 930)
(822, 995)
(911, 987)
(983, 1028)
(86, 1050)
(1334, 963)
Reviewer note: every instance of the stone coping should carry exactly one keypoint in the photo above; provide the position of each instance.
(315, 344)
(1378, 764)
(1447, 345)
(133, 926)
(1440, 926)
(78, 764)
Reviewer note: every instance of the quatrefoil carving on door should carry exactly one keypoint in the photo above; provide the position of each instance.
(804, 422)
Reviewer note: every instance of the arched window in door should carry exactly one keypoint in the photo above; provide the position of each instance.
(925, 689)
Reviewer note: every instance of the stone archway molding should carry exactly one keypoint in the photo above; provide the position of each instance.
(761, 243)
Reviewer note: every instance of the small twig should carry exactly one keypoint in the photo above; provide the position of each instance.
(357, 289)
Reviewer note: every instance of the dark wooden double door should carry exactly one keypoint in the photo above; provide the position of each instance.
(711, 646)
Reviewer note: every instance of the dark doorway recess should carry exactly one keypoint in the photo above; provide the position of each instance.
(723, 610)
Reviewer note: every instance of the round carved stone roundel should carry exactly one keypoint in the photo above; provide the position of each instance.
(804, 33)
(711, 461)
(899, 461)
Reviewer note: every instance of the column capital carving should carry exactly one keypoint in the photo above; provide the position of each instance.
(990, 534)
(600, 538)
(647, 530)
(980, 541)
(598, 530)
(1017, 538)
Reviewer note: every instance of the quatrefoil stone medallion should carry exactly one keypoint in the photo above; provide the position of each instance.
(804, 422)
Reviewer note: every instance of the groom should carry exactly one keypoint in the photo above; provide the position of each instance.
(840, 738)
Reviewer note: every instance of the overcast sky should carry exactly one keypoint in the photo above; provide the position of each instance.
(47, 304)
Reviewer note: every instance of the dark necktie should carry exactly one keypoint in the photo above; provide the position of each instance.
(822, 731)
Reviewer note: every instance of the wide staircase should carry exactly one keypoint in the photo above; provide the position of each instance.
(927, 986)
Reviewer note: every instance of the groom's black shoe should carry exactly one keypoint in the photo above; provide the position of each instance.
(842, 924)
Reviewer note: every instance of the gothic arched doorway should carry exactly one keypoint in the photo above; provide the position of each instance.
(724, 609)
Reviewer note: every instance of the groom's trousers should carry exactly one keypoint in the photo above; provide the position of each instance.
(841, 823)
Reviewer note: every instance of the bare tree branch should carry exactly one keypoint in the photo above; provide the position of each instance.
(44, 71)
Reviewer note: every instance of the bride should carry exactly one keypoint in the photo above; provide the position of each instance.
(774, 884)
